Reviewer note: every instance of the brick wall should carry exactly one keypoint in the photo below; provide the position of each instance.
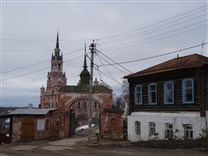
(111, 124)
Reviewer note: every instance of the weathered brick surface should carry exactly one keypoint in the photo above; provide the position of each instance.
(111, 125)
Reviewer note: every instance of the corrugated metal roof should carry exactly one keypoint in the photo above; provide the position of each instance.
(194, 60)
(29, 112)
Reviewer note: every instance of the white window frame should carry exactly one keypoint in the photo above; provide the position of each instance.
(40, 124)
(137, 94)
(188, 131)
(166, 90)
(151, 128)
(138, 127)
(169, 130)
(150, 92)
(184, 90)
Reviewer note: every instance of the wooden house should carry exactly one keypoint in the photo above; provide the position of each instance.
(169, 100)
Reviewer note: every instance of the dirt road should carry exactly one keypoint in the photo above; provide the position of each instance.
(78, 147)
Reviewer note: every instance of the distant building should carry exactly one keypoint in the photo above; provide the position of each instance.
(169, 100)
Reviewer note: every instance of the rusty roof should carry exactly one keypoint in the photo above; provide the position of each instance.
(189, 61)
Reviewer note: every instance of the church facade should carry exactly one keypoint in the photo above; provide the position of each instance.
(71, 102)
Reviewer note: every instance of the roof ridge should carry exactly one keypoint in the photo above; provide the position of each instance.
(192, 60)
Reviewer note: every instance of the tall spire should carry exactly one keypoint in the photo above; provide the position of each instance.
(57, 41)
(85, 75)
(85, 61)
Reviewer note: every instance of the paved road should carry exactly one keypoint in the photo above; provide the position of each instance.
(77, 147)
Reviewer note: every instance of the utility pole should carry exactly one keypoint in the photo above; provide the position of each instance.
(92, 49)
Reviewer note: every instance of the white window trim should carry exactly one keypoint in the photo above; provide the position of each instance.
(183, 91)
(135, 95)
(170, 129)
(189, 131)
(172, 83)
(151, 103)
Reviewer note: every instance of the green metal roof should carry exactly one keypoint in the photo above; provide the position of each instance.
(81, 88)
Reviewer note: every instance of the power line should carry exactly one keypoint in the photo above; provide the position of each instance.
(20, 75)
(157, 39)
(142, 33)
(109, 77)
(115, 62)
(151, 57)
(162, 21)
(99, 56)
(34, 64)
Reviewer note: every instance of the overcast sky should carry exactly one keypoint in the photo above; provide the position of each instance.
(123, 31)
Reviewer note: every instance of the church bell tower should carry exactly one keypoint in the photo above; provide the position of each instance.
(56, 79)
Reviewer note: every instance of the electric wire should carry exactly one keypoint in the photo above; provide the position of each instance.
(128, 45)
(156, 56)
(34, 64)
(205, 6)
(20, 75)
(142, 33)
(115, 62)
(99, 56)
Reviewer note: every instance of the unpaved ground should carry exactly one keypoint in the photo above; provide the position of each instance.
(78, 147)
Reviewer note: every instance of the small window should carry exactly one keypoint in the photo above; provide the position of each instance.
(169, 92)
(138, 94)
(188, 132)
(40, 124)
(78, 105)
(151, 128)
(152, 93)
(137, 127)
(85, 105)
(168, 131)
(95, 106)
(188, 90)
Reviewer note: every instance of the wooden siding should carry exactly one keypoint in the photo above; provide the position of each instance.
(159, 79)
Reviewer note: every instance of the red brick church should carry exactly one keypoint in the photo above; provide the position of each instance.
(71, 102)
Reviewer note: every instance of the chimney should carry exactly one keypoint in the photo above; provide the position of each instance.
(30, 106)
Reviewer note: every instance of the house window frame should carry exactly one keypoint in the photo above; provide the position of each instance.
(136, 94)
(138, 127)
(188, 131)
(184, 90)
(149, 94)
(168, 131)
(165, 92)
(152, 128)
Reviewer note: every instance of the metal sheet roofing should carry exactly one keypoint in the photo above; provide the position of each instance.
(189, 61)
(29, 112)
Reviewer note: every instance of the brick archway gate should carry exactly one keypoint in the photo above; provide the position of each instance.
(69, 99)
(77, 109)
